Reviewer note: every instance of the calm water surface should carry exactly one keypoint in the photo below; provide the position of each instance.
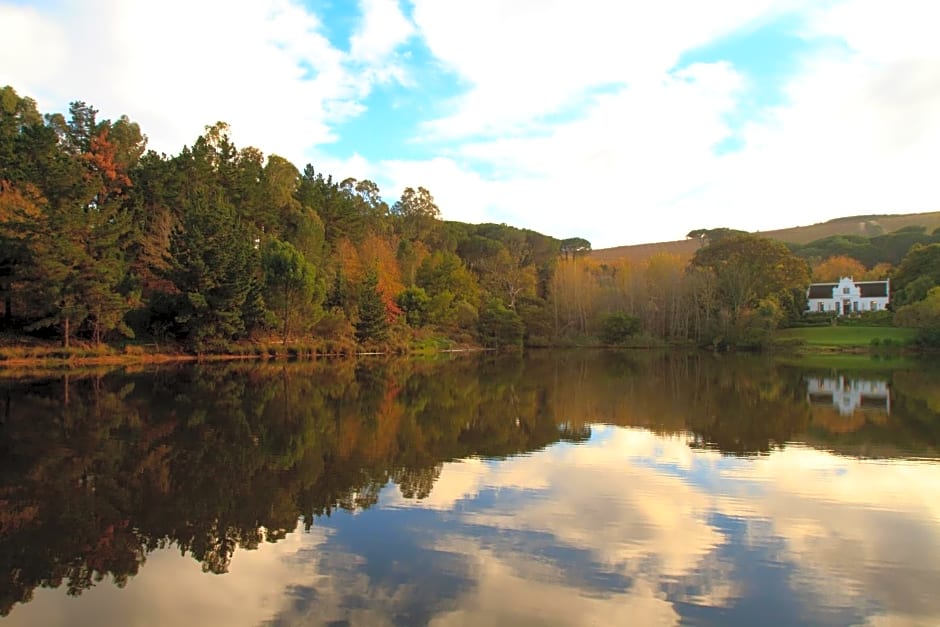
(562, 488)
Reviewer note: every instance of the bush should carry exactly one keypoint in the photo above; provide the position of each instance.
(811, 319)
(928, 338)
(500, 327)
(466, 315)
(415, 302)
(617, 328)
(334, 326)
(883, 318)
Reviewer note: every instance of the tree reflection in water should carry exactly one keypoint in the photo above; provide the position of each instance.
(100, 470)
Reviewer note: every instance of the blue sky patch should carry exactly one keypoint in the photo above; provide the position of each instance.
(390, 126)
(768, 56)
(339, 20)
(384, 130)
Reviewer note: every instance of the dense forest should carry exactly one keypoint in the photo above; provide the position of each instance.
(105, 242)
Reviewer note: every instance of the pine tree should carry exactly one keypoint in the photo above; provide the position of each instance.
(77, 247)
(210, 266)
(373, 323)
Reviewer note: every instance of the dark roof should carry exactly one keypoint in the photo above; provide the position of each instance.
(821, 290)
(872, 289)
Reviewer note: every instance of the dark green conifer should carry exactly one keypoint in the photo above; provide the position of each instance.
(373, 322)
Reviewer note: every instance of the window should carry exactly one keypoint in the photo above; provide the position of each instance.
(822, 307)
(845, 290)
(855, 306)
(874, 306)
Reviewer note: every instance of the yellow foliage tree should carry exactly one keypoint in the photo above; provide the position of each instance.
(838, 266)
(879, 271)
(379, 253)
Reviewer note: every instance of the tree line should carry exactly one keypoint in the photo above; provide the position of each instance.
(102, 241)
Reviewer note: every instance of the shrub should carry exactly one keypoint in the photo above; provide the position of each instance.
(334, 326)
(883, 318)
(928, 338)
(617, 328)
(500, 327)
(811, 319)
(414, 301)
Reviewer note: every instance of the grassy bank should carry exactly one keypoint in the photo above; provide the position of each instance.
(846, 337)
(20, 353)
(14, 357)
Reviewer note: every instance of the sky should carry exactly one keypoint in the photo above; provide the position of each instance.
(620, 122)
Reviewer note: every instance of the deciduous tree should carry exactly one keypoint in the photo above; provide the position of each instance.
(838, 266)
(290, 285)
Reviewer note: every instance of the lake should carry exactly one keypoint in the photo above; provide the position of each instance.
(559, 488)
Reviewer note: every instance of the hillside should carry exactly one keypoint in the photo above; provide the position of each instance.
(854, 225)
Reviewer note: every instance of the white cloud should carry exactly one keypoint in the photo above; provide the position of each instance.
(22, 26)
(461, 193)
(646, 524)
(515, 590)
(651, 525)
(574, 120)
(858, 532)
(171, 589)
(599, 176)
(526, 59)
(383, 29)
(857, 134)
(176, 66)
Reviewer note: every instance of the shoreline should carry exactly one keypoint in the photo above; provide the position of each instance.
(55, 360)
(14, 358)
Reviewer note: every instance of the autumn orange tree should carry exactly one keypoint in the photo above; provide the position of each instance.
(18, 209)
(838, 266)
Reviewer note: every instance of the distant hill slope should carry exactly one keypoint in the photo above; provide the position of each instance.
(853, 225)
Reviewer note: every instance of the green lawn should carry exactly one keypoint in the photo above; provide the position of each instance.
(846, 336)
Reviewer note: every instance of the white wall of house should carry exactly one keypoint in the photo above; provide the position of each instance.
(847, 298)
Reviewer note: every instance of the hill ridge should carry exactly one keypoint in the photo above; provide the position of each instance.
(868, 225)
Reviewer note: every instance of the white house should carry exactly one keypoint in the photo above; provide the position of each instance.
(848, 296)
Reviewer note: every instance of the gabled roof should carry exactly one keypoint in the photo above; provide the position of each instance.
(871, 289)
(821, 290)
(867, 289)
